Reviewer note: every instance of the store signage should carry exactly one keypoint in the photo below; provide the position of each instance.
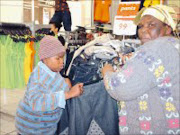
(123, 21)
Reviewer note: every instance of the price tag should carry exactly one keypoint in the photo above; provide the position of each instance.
(123, 27)
(123, 21)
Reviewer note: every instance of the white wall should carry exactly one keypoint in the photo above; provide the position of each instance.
(87, 13)
(11, 11)
(80, 13)
(173, 3)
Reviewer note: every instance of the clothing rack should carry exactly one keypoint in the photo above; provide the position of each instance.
(17, 54)
(17, 31)
(14, 26)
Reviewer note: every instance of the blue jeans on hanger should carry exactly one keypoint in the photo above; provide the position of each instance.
(95, 103)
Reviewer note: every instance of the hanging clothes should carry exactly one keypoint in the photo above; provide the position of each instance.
(11, 64)
(36, 46)
(101, 10)
(3, 67)
(32, 55)
(28, 60)
(20, 64)
(12, 44)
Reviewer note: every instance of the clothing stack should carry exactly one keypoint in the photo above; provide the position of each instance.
(83, 115)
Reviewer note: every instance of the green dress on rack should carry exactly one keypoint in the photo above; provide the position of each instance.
(2, 62)
(12, 63)
(21, 55)
(36, 54)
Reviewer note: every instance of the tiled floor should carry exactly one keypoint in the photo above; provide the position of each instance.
(9, 100)
(7, 125)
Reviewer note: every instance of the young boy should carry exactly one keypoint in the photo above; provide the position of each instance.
(47, 91)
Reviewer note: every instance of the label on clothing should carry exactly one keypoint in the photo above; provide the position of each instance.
(123, 21)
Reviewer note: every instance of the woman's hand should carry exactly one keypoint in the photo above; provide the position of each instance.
(125, 57)
(107, 68)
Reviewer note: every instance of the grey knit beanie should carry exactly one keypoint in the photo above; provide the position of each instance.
(49, 47)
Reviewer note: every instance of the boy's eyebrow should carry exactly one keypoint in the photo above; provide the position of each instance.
(59, 56)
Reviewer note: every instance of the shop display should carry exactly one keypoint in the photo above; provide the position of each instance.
(16, 55)
(88, 50)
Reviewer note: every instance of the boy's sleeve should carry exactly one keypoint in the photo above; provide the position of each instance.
(41, 100)
(133, 80)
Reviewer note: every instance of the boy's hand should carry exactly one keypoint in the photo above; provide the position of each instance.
(75, 91)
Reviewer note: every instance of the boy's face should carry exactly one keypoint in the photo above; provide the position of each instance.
(55, 63)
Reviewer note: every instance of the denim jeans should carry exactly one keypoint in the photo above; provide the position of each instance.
(95, 103)
(63, 16)
(85, 71)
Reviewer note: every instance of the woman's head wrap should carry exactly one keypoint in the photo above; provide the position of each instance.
(163, 13)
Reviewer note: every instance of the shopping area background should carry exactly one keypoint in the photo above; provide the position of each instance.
(22, 27)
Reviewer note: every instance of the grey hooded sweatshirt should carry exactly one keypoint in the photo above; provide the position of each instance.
(148, 88)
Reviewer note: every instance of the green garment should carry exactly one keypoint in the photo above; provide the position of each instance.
(2, 62)
(37, 44)
(11, 64)
(21, 64)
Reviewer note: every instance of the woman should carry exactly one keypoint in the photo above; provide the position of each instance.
(147, 86)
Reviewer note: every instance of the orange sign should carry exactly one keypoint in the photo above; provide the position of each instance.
(128, 8)
(123, 21)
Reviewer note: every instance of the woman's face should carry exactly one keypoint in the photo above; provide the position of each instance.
(54, 29)
(55, 63)
(151, 28)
